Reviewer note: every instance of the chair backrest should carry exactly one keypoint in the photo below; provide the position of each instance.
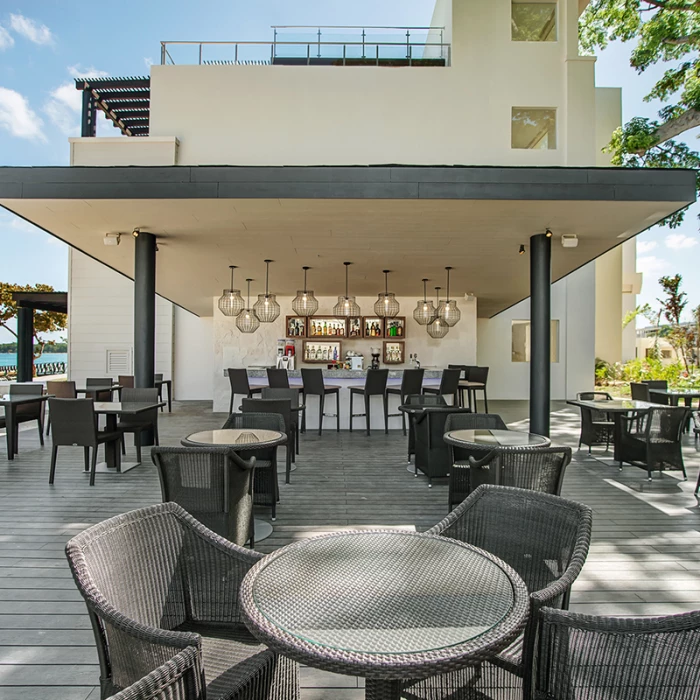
(666, 422)
(73, 422)
(238, 379)
(26, 389)
(312, 380)
(99, 383)
(278, 378)
(626, 658)
(594, 396)
(375, 382)
(479, 374)
(274, 393)
(283, 407)
(126, 381)
(589, 415)
(640, 392)
(412, 381)
(257, 421)
(474, 421)
(32, 410)
(61, 390)
(656, 383)
(212, 484)
(425, 400)
(434, 418)
(449, 383)
(140, 396)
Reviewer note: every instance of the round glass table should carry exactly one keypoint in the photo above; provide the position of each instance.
(486, 438)
(384, 605)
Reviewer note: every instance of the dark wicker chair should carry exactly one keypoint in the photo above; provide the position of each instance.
(141, 423)
(93, 386)
(625, 658)
(266, 490)
(411, 384)
(696, 425)
(545, 539)
(597, 428)
(480, 375)
(460, 486)
(30, 412)
(419, 400)
(432, 453)
(155, 582)
(449, 385)
(277, 378)
(375, 385)
(238, 379)
(74, 422)
(126, 381)
(639, 391)
(652, 440)
(180, 678)
(59, 390)
(315, 386)
(292, 395)
(657, 384)
(213, 484)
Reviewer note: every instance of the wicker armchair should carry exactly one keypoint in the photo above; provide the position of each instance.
(213, 484)
(545, 539)
(460, 486)
(596, 426)
(625, 658)
(652, 440)
(266, 490)
(419, 400)
(155, 582)
(177, 679)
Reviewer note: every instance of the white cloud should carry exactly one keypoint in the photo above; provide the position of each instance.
(645, 246)
(80, 71)
(651, 265)
(148, 61)
(17, 117)
(6, 40)
(29, 29)
(679, 241)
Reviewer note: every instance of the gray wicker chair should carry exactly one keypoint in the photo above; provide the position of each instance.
(180, 678)
(266, 490)
(625, 658)
(155, 582)
(652, 440)
(30, 412)
(213, 484)
(147, 421)
(639, 391)
(460, 486)
(596, 426)
(419, 400)
(545, 539)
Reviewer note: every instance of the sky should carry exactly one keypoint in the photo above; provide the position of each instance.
(44, 44)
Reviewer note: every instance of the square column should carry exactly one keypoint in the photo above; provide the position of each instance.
(540, 332)
(25, 344)
(144, 310)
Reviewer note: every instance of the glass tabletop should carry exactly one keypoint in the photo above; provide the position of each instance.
(498, 438)
(234, 436)
(383, 592)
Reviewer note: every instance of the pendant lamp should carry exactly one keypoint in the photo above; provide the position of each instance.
(247, 321)
(231, 302)
(386, 305)
(438, 328)
(425, 312)
(305, 303)
(266, 307)
(447, 310)
(346, 307)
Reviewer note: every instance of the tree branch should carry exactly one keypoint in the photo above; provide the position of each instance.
(664, 5)
(6, 327)
(673, 127)
(689, 39)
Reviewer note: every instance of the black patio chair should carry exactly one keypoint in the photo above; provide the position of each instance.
(277, 378)
(481, 376)
(238, 379)
(375, 385)
(74, 423)
(460, 484)
(141, 423)
(30, 412)
(545, 539)
(59, 390)
(213, 484)
(639, 391)
(313, 385)
(419, 400)
(411, 385)
(651, 440)
(158, 377)
(297, 416)
(657, 384)
(449, 385)
(156, 581)
(626, 658)
(266, 490)
(597, 428)
(94, 384)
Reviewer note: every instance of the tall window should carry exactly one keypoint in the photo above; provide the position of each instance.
(534, 128)
(520, 333)
(533, 21)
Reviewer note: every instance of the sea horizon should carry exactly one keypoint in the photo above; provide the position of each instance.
(9, 359)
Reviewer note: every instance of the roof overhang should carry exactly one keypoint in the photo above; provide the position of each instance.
(410, 219)
(42, 301)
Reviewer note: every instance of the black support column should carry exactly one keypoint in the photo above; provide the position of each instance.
(540, 332)
(25, 344)
(145, 310)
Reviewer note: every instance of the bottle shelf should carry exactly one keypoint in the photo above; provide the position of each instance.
(296, 327)
(327, 327)
(394, 352)
(322, 352)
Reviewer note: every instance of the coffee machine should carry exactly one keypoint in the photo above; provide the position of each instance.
(286, 354)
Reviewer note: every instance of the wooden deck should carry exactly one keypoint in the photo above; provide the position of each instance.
(645, 557)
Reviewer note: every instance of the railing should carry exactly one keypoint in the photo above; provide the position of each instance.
(42, 369)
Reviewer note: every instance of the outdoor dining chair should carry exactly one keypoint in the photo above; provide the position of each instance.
(59, 390)
(213, 484)
(32, 411)
(626, 658)
(415, 400)
(314, 385)
(93, 384)
(597, 427)
(297, 412)
(449, 385)
(480, 375)
(277, 378)
(639, 391)
(126, 381)
(545, 538)
(156, 581)
(375, 385)
(139, 423)
(411, 384)
(238, 379)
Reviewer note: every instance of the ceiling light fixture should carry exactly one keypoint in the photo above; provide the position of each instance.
(548, 232)
(347, 306)
(569, 240)
(447, 310)
(266, 307)
(305, 303)
(425, 312)
(247, 321)
(438, 328)
(386, 305)
(521, 250)
(135, 232)
(231, 302)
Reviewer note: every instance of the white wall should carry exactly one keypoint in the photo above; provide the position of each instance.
(193, 359)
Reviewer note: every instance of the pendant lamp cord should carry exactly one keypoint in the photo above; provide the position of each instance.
(437, 291)
(425, 291)
(249, 281)
(267, 277)
(448, 284)
(305, 269)
(233, 267)
(346, 280)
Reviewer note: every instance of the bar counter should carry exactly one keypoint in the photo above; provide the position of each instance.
(343, 373)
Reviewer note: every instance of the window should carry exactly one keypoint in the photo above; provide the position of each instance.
(521, 341)
(533, 21)
(534, 128)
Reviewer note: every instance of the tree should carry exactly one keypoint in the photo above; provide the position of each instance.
(667, 32)
(682, 338)
(44, 321)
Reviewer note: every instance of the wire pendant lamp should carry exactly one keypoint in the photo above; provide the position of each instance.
(447, 310)
(386, 305)
(247, 321)
(305, 303)
(438, 328)
(346, 306)
(425, 311)
(231, 302)
(266, 307)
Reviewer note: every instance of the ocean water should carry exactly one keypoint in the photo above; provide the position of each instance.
(10, 358)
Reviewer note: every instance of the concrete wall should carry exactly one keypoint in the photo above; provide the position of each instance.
(608, 306)
(119, 150)
(193, 356)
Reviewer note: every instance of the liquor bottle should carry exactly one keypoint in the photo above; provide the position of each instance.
(335, 353)
(399, 329)
(313, 327)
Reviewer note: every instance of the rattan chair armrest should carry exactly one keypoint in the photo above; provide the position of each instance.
(632, 417)
(484, 461)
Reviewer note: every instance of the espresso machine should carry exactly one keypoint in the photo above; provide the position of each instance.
(286, 354)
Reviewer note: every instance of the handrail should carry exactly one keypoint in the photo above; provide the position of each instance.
(343, 26)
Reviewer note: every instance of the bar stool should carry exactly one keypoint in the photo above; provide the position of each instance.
(314, 386)
(478, 378)
(375, 385)
(449, 385)
(277, 378)
(411, 383)
(238, 378)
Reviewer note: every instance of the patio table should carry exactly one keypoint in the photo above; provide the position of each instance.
(674, 395)
(411, 410)
(94, 390)
(10, 404)
(385, 605)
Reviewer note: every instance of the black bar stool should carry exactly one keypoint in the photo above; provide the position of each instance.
(411, 383)
(449, 385)
(478, 375)
(375, 385)
(314, 386)
(238, 379)
(278, 378)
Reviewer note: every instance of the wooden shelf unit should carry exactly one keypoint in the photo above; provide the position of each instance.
(312, 347)
(399, 323)
(326, 323)
(296, 327)
(394, 352)
(372, 322)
